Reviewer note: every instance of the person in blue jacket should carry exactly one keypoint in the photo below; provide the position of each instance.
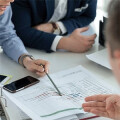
(12, 45)
(42, 24)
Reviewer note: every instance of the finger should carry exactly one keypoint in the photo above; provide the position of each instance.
(90, 46)
(99, 98)
(94, 104)
(83, 29)
(91, 38)
(91, 42)
(40, 61)
(90, 109)
(40, 74)
(38, 68)
(43, 62)
(47, 67)
(99, 113)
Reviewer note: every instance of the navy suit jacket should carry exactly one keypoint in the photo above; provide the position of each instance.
(29, 13)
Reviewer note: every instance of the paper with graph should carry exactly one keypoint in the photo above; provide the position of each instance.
(42, 102)
(100, 57)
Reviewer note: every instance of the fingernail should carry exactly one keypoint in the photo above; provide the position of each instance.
(47, 71)
(37, 73)
(43, 70)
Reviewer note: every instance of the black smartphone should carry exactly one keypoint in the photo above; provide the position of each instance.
(21, 84)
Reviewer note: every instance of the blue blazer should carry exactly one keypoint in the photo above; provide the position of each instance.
(29, 13)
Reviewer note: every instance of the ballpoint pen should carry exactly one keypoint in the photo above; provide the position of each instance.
(52, 81)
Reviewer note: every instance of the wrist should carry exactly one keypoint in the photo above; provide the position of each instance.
(51, 27)
(23, 60)
(26, 61)
(63, 43)
(56, 29)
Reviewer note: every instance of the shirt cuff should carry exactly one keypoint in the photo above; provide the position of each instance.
(55, 43)
(62, 27)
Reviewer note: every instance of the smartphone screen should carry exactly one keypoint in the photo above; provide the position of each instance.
(20, 84)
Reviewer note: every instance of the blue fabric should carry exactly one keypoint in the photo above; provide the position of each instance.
(29, 13)
(11, 44)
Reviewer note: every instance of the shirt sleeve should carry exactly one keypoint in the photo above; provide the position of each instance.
(62, 27)
(55, 43)
(11, 44)
(57, 38)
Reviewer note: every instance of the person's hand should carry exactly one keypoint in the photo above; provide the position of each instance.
(34, 66)
(103, 105)
(77, 42)
(47, 27)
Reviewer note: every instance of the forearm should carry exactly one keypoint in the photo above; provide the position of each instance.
(46, 27)
(63, 43)
(14, 48)
(36, 39)
(74, 23)
(83, 19)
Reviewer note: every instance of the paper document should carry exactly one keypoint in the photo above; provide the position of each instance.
(85, 116)
(18, 113)
(100, 57)
(89, 32)
(71, 117)
(42, 102)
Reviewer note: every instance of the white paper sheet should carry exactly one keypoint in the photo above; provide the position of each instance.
(89, 32)
(71, 117)
(18, 113)
(41, 102)
(100, 57)
(81, 116)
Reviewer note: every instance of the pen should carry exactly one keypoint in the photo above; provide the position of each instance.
(52, 81)
(92, 117)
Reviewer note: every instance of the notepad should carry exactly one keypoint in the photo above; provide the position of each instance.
(41, 101)
(100, 57)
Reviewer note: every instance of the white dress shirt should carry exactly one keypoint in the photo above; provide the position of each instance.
(59, 13)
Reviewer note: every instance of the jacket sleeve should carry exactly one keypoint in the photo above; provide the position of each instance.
(30, 36)
(11, 44)
(83, 20)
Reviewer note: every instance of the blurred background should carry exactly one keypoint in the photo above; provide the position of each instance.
(103, 4)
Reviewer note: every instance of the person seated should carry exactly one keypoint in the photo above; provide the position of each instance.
(42, 24)
(13, 46)
(109, 105)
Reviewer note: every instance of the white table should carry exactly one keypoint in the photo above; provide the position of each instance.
(59, 61)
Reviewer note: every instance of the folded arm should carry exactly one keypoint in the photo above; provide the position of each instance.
(83, 20)
(31, 37)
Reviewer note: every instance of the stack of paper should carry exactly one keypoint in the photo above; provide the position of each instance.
(42, 102)
(100, 57)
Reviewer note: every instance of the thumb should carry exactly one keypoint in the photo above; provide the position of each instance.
(84, 29)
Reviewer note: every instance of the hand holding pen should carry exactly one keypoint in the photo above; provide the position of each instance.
(39, 69)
